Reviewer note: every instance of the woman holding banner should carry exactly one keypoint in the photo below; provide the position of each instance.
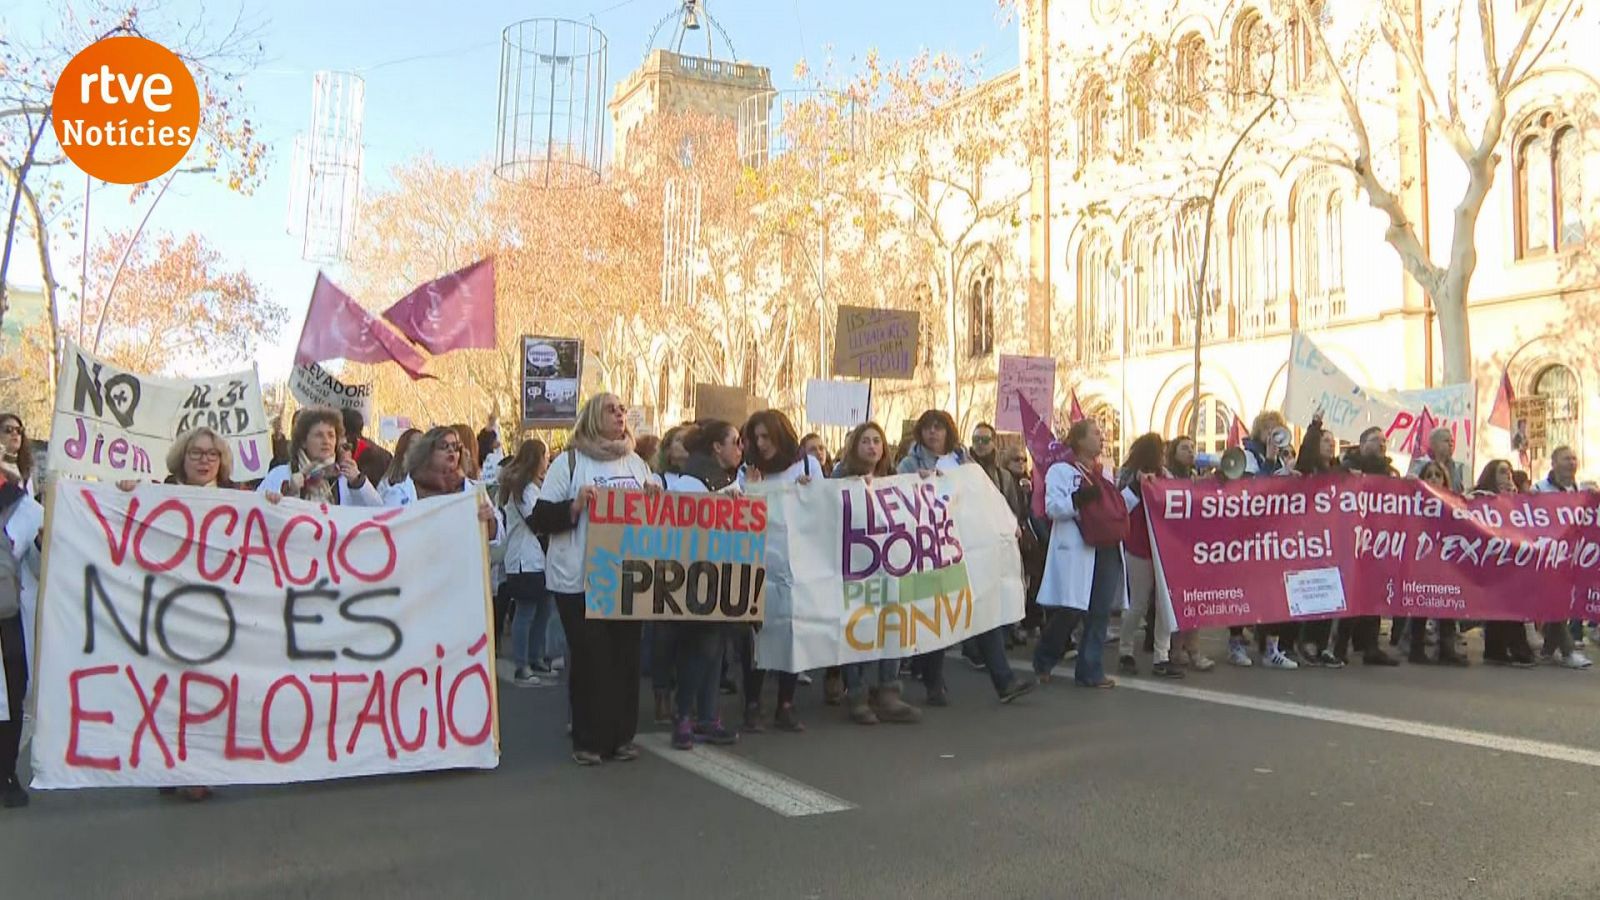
(320, 468)
(1505, 642)
(696, 647)
(772, 454)
(1077, 575)
(603, 654)
(936, 449)
(1144, 464)
(872, 689)
(21, 518)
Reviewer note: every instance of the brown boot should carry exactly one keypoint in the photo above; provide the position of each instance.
(890, 708)
(663, 707)
(861, 709)
(833, 688)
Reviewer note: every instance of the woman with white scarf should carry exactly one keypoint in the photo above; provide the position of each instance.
(320, 468)
(603, 654)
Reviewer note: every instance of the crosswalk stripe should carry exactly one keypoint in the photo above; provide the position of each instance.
(779, 793)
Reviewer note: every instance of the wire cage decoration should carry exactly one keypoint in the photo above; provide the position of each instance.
(325, 176)
(551, 124)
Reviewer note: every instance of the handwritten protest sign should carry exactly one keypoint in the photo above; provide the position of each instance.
(313, 385)
(730, 404)
(905, 565)
(1023, 377)
(115, 425)
(203, 636)
(875, 343)
(843, 403)
(1348, 408)
(696, 557)
(1278, 549)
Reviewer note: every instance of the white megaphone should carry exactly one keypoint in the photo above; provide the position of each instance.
(1232, 465)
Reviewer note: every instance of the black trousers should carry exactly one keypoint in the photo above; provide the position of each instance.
(755, 679)
(1502, 639)
(602, 677)
(16, 665)
(1362, 631)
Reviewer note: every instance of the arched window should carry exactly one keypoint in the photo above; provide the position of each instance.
(1191, 241)
(1215, 420)
(664, 389)
(1094, 111)
(1249, 57)
(1097, 298)
(1110, 433)
(928, 317)
(1557, 386)
(1254, 270)
(1548, 193)
(1302, 47)
(980, 312)
(1189, 81)
(1138, 115)
(1319, 250)
(1152, 284)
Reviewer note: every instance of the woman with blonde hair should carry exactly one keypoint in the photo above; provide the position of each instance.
(603, 654)
(320, 467)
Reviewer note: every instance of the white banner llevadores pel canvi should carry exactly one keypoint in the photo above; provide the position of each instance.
(204, 636)
(901, 566)
(117, 425)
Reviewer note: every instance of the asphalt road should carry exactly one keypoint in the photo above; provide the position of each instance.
(1444, 783)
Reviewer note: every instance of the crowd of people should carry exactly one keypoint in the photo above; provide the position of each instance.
(1079, 570)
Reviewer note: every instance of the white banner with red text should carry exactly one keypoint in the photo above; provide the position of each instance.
(194, 636)
(859, 571)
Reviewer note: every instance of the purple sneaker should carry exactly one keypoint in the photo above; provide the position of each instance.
(715, 733)
(683, 735)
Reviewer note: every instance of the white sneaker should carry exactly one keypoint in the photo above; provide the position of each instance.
(1239, 655)
(1576, 660)
(803, 680)
(1201, 663)
(1276, 660)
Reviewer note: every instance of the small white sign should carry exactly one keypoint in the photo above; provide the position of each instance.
(1314, 592)
(845, 403)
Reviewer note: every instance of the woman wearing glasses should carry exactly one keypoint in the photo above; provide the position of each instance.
(320, 467)
(16, 454)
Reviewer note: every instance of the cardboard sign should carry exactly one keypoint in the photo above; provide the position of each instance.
(676, 557)
(733, 405)
(875, 343)
(552, 373)
(313, 385)
(1032, 378)
(391, 427)
(641, 420)
(207, 636)
(116, 425)
(902, 566)
(844, 403)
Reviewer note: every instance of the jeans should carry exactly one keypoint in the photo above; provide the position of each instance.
(1142, 597)
(880, 673)
(531, 619)
(697, 648)
(1104, 590)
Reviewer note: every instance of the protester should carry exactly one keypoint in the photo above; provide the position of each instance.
(772, 454)
(1030, 542)
(603, 654)
(873, 689)
(16, 453)
(1180, 463)
(1434, 474)
(672, 454)
(1077, 575)
(1180, 457)
(1561, 638)
(280, 444)
(470, 461)
(1505, 642)
(1370, 457)
(813, 444)
(372, 460)
(21, 519)
(396, 472)
(936, 450)
(491, 453)
(1441, 452)
(1144, 463)
(320, 469)
(648, 447)
(988, 457)
(696, 647)
(518, 491)
(1266, 449)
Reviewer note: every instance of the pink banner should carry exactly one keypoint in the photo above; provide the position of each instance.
(1287, 549)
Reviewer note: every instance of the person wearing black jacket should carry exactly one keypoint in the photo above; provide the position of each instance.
(22, 518)
(1371, 457)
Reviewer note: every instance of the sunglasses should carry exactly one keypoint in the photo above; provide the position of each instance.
(454, 447)
(11, 429)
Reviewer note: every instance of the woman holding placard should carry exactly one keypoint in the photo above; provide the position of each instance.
(603, 654)
(1504, 642)
(872, 689)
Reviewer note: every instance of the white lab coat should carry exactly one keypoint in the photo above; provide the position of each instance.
(366, 496)
(1069, 564)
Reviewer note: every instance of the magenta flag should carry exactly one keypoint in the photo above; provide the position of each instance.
(337, 327)
(452, 312)
(1286, 549)
(1043, 447)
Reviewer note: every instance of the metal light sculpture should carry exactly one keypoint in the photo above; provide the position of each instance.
(551, 122)
(325, 186)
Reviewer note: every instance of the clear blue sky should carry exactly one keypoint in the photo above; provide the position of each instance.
(445, 104)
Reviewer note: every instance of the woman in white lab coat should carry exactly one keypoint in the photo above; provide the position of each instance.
(1077, 575)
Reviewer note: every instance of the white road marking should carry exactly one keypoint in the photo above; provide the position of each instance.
(779, 793)
(1482, 739)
